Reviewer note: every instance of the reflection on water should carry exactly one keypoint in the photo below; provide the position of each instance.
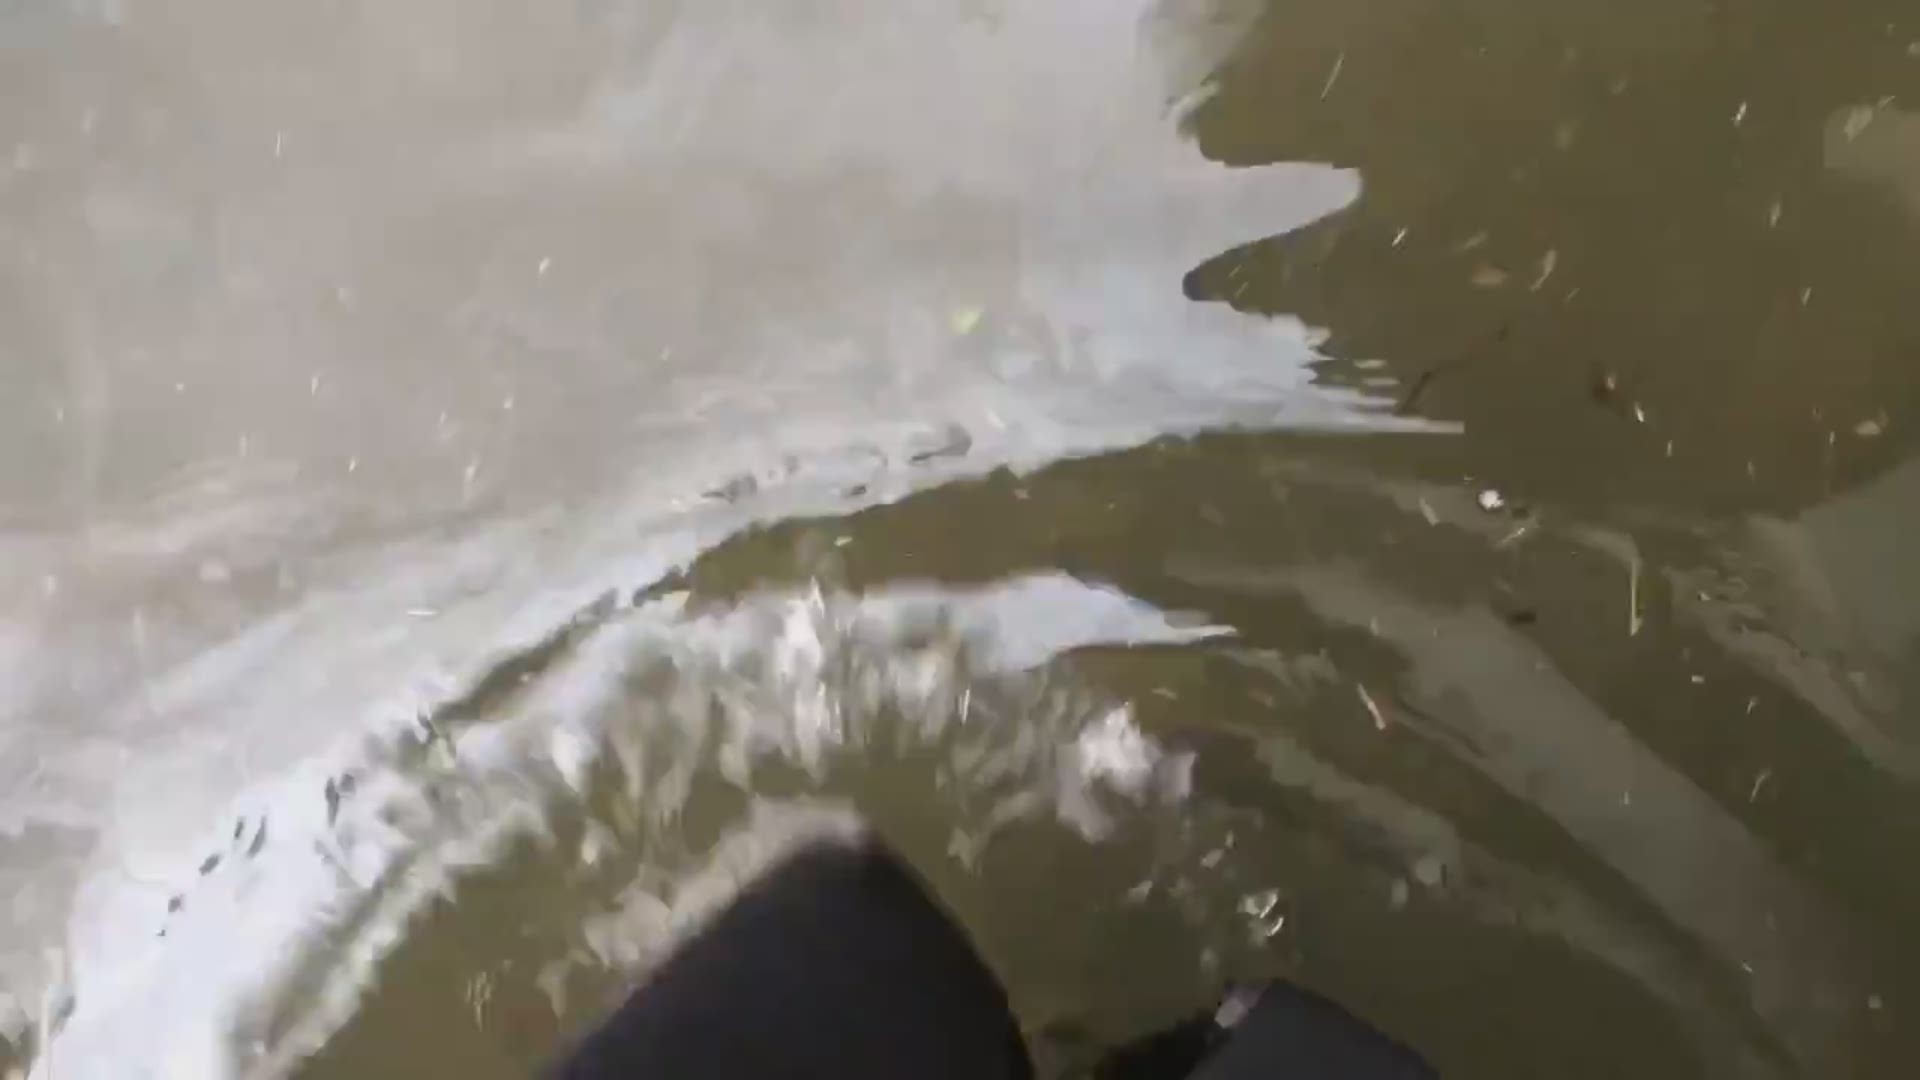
(471, 472)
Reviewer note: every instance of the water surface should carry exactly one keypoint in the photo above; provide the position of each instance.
(1403, 497)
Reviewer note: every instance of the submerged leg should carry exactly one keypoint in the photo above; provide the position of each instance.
(835, 964)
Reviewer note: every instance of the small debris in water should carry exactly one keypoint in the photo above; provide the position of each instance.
(1333, 76)
(1699, 680)
(1740, 114)
(1759, 781)
(333, 800)
(210, 864)
(1373, 709)
(1426, 511)
(1547, 264)
(1875, 1003)
(1871, 428)
(175, 903)
(1773, 215)
(963, 321)
(1491, 500)
(1633, 597)
(421, 613)
(541, 270)
(1606, 385)
(259, 840)
(1399, 237)
(1639, 413)
(1518, 534)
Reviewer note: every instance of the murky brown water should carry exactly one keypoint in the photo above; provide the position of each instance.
(1422, 516)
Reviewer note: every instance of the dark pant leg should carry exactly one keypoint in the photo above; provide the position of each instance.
(834, 965)
(837, 965)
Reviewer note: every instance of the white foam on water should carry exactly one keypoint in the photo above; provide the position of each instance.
(774, 210)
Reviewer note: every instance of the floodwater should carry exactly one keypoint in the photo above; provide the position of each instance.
(1405, 496)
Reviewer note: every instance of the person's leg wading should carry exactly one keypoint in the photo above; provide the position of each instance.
(834, 965)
